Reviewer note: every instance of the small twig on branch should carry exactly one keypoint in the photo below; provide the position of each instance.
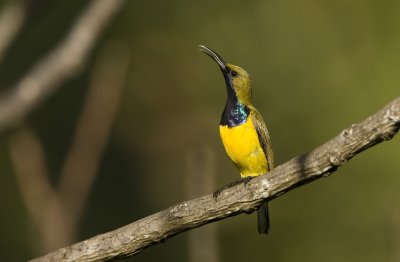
(320, 162)
(62, 63)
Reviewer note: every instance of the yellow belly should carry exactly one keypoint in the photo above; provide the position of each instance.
(243, 147)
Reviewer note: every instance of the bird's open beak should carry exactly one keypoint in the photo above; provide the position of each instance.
(217, 58)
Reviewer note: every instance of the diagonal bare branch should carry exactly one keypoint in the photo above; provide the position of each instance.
(320, 162)
(60, 64)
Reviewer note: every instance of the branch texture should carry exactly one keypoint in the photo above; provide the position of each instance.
(320, 162)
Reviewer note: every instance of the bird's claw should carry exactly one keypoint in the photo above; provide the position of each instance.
(245, 181)
(217, 193)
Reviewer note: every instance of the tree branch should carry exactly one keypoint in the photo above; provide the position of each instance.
(320, 162)
(60, 64)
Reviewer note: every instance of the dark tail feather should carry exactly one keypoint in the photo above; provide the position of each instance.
(263, 219)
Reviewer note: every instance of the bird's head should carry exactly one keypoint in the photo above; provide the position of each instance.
(237, 80)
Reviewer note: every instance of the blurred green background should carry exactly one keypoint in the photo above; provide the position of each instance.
(317, 67)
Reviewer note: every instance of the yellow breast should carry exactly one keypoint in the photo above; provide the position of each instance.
(243, 147)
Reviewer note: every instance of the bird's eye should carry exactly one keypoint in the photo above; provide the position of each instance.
(234, 73)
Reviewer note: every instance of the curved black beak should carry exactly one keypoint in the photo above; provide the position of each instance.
(216, 57)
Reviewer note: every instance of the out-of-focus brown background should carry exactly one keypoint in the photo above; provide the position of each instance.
(135, 130)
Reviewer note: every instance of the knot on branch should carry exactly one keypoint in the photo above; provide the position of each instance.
(348, 131)
(337, 160)
(179, 210)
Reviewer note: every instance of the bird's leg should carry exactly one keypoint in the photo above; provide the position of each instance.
(247, 179)
(244, 180)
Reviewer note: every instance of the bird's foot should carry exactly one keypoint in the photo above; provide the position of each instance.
(218, 192)
(247, 179)
(244, 180)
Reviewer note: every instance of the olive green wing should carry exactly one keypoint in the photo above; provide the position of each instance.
(263, 136)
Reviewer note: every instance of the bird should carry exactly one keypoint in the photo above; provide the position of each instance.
(243, 131)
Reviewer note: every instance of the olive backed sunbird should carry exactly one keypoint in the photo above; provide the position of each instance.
(243, 131)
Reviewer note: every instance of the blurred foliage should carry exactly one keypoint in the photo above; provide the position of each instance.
(317, 67)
